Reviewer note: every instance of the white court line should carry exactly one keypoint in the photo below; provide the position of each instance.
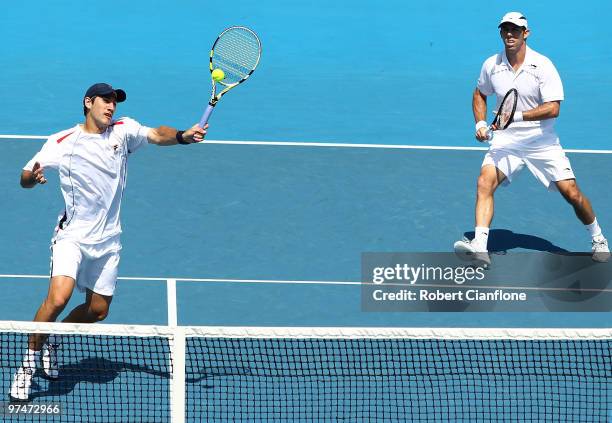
(334, 145)
(345, 145)
(23, 137)
(322, 282)
(148, 279)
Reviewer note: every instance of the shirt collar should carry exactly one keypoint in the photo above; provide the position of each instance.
(528, 57)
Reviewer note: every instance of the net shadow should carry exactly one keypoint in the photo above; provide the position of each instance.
(96, 370)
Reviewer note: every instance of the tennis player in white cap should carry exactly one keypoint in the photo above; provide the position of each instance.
(530, 141)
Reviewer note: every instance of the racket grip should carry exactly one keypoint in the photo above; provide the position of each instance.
(489, 134)
(206, 115)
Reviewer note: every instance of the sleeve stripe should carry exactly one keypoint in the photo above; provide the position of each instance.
(64, 137)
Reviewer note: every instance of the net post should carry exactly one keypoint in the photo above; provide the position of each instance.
(171, 295)
(177, 357)
(177, 386)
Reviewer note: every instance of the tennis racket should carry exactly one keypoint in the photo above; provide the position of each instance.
(236, 52)
(505, 113)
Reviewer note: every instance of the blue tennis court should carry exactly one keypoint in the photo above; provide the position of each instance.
(354, 135)
(315, 210)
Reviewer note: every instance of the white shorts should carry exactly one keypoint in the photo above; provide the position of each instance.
(94, 267)
(548, 164)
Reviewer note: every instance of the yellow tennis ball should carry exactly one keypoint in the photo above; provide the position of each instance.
(218, 75)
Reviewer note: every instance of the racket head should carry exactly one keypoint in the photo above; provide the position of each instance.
(507, 107)
(236, 51)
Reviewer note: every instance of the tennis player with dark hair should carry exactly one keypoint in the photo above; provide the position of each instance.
(529, 141)
(91, 159)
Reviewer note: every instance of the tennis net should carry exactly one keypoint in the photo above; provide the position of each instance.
(107, 373)
(216, 374)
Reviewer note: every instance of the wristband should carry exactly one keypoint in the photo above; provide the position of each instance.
(179, 137)
(481, 124)
(518, 117)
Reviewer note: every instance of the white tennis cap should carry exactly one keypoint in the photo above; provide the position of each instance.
(516, 18)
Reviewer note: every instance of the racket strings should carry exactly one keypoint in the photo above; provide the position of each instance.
(237, 53)
(506, 110)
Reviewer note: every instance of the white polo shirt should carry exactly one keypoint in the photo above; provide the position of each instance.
(92, 171)
(537, 81)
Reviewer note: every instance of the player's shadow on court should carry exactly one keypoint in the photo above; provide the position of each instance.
(503, 240)
(99, 371)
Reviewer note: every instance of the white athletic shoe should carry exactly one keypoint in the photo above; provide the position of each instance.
(49, 361)
(468, 250)
(601, 252)
(22, 381)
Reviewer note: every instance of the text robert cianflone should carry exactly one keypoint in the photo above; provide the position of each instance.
(413, 274)
(439, 295)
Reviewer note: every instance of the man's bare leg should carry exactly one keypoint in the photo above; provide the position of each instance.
(584, 211)
(60, 291)
(94, 309)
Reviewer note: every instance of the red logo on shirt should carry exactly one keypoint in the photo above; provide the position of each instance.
(64, 137)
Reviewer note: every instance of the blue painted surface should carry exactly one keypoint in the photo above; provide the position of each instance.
(291, 213)
(392, 72)
(348, 71)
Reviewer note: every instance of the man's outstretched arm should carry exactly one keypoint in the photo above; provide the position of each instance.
(165, 135)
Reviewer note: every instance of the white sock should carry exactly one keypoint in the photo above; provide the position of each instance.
(594, 230)
(30, 359)
(481, 237)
